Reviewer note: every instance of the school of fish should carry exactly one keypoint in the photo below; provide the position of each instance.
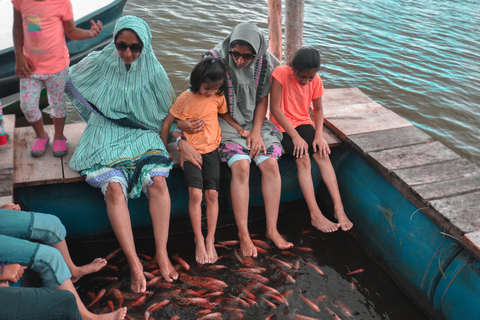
(233, 288)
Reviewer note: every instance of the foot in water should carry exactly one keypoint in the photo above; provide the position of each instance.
(343, 220)
(323, 224)
(138, 281)
(119, 314)
(167, 270)
(92, 267)
(247, 248)
(279, 241)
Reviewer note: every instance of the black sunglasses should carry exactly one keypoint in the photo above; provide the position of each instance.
(134, 47)
(246, 56)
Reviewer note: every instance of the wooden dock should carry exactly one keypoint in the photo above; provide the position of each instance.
(444, 186)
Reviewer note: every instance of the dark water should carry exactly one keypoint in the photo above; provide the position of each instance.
(370, 294)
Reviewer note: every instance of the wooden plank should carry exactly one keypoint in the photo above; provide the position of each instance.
(462, 211)
(438, 172)
(473, 240)
(30, 171)
(73, 132)
(387, 139)
(6, 161)
(350, 111)
(413, 156)
(449, 188)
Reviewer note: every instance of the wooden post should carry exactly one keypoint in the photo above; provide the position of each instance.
(293, 28)
(275, 28)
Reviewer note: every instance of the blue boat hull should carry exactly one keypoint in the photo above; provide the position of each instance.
(9, 83)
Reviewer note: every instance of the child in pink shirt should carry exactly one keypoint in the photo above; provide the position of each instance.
(42, 59)
(293, 90)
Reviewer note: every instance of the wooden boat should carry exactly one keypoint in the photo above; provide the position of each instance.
(413, 202)
(107, 11)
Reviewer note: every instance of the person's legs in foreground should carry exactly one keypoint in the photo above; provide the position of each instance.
(330, 180)
(211, 197)
(195, 210)
(318, 220)
(119, 216)
(159, 204)
(271, 190)
(239, 193)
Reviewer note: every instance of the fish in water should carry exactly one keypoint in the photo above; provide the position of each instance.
(355, 272)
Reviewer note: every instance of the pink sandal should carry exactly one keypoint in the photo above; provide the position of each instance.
(60, 147)
(39, 147)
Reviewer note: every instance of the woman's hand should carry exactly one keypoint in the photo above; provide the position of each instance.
(255, 143)
(192, 125)
(244, 133)
(300, 146)
(11, 206)
(12, 272)
(188, 153)
(321, 145)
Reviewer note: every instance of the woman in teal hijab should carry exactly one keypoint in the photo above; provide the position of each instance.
(249, 65)
(124, 94)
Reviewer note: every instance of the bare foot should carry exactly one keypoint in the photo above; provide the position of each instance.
(247, 248)
(167, 270)
(119, 314)
(211, 252)
(323, 224)
(279, 241)
(343, 220)
(138, 281)
(200, 252)
(92, 267)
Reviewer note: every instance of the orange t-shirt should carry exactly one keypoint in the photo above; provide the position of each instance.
(296, 99)
(189, 105)
(43, 34)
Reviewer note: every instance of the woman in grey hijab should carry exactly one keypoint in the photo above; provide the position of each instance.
(250, 66)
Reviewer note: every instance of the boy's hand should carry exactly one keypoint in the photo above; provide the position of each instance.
(95, 28)
(23, 66)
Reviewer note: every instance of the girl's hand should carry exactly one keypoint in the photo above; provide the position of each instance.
(12, 272)
(11, 206)
(322, 146)
(95, 28)
(300, 146)
(255, 143)
(188, 153)
(23, 67)
(192, 125)
(244, 133)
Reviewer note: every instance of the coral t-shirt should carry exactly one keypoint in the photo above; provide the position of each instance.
(43, 34)
(296, 99)
(189, 105)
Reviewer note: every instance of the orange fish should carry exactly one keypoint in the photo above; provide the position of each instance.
(279, 298)
(262, 244)
(157, 305)
(261, 250)
(281, 263)
(240, 301)
(138, 302)
(344, 309)
(334, 315)
(112, 254)
(215, 315)
(117, 294)
(229, 242)
(321, 298)
(213, 294)
(184, 264)
(204, 311)
(307, 231)
(288, 277)
(310, 303)
(355, 272)
(302, 317)
(99, 296)
(303, 249)
(314, 267)
(271, 304)
(177, 317)
(254, 276)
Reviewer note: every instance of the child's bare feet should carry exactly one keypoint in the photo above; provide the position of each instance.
(323, 224)
(343, 220)
(119, 314)
(92, 267)
(167, 270)
(211, 252)
(279, 241)
(138, 281)
(200, 252)
(247, 248)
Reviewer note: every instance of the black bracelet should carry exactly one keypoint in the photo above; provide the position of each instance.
(2, 268)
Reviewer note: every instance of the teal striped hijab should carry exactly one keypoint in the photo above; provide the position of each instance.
(143, 94)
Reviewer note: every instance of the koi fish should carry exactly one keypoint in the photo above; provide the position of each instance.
(139, 302)
(344, 309)
(112, 254)
(310, 303)
(306, 249)
(257, 270)
(157, 305)
(352, 285)
(355, 272)
(176, 317)
(216, 267)
(99, 296)
(213, 294)
(335, 316)
(306, 232)
(279, 298)
(110, 305)
(262, 244)
(215, 315)
(287, 277)
(117, 294)
(287, 253)
(254, 276)
(240, 301)
(321, 298)
(271, 304)
(229, 242)
(261, 250)
(314, 267)
(302, 317)
(216, 245)
(184, 264)
(204, 311)
(281, 263)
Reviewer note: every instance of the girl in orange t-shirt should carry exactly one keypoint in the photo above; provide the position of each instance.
(42, 59)
(293, 90)
(204, 100)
